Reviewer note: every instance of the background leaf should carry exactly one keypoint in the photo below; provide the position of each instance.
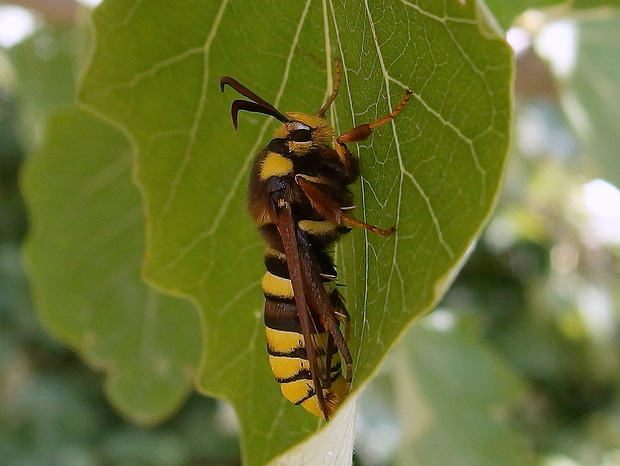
(84, 254)
(440, 378)
(44, 66)
(506, 11)
(434, 173)
(590, 93)
(459, 382)
(585, 4)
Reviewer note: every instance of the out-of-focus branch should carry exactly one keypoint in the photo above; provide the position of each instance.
(534, 78)
(61, 12)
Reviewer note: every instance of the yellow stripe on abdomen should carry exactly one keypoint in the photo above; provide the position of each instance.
(277, 286)
(333, 397)
(297, 390)
(283, 342)
(285, 367)
(271, 252)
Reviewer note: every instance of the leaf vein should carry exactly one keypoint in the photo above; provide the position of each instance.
(248, 158)
(441, 19)
(206, 49)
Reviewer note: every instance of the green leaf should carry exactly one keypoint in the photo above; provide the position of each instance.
(44, 76)
(589, 94)
(84, 254)
(452, 398)
(585, 4)
(434, 172)
(506, 11)
(458, 382)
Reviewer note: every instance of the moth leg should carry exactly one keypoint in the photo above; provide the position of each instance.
(361, 132)
(331, 324)
(329, 353)
(343, 316)
(330, 209)
(350, 221)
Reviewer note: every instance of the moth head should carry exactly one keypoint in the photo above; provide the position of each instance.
(304, 132)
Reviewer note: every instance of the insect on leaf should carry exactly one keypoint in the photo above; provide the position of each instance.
(434, 172)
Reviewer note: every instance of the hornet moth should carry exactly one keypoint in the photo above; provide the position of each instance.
(299, 199)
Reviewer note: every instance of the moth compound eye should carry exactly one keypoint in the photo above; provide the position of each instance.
(300, 135)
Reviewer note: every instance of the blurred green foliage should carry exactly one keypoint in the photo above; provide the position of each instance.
(536, 306)
(53, 408)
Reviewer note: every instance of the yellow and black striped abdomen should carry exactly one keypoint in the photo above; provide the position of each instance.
(286, 346)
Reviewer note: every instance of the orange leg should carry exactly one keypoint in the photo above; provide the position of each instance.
(359, 224)
(343, 316)
(330, 209)
(361, 132)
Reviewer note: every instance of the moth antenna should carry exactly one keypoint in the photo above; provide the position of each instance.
(262, 106)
